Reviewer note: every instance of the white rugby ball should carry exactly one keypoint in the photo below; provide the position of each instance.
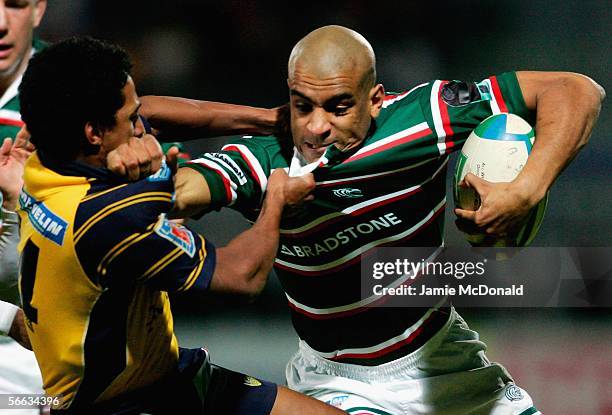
(496, 151)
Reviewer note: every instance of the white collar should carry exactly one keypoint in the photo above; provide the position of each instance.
(299, 166)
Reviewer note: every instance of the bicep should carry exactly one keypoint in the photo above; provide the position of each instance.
(534, 84)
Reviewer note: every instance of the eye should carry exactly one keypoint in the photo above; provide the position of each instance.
(17, 4)
(341, 109)
(303, 107)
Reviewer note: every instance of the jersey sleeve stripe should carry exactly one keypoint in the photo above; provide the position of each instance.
(94, 195)
(119, 249)
(499, 98)
(257, 171)
(162, 263)
(122, 204)
(193, 276)
(439, 112)
(230, 192)
(446, 123)
(437, 116)
(493, 101)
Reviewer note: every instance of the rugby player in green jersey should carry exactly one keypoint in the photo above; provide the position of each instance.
(99, 256)
(379, 161)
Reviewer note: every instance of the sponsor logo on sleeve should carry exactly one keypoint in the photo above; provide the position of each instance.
(227, 162)
(176, 234)
(47, 223)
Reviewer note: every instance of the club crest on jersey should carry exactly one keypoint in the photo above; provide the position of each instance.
(348, 193)
(177, 234)
(337, 401)
(513, 393)
(47, 223)
(251, 381)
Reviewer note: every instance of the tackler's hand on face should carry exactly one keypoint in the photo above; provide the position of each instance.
(503, 207)
(290, 191)
(13, 156)
(136, 159)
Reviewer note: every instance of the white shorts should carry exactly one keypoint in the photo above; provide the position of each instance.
(448, 375)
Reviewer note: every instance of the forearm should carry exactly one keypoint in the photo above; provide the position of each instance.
(9, 238)
(567, 106)
(249, 257)
(191, 193)
(184, 119)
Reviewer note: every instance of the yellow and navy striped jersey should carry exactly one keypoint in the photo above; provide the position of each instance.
(98, 260)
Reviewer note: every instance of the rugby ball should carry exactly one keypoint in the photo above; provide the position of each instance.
(496, 151)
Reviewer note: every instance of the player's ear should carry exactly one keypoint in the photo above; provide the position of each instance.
(377, 97)
(93, 134)
(39, 11)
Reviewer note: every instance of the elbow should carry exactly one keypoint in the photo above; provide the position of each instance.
(593, 94)
(252, 278)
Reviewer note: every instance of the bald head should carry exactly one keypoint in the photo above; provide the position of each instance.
(331, 49)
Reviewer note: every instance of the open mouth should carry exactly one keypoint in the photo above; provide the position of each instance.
(5, 48)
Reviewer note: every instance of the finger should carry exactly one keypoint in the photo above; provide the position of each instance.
(5, 149)
(129, 160)
(154, 151)
(22, 139)
(172, 156)
(466, 214)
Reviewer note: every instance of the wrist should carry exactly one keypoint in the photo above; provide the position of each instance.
(529, 190)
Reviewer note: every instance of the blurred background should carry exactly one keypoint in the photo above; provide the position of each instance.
(236, 51)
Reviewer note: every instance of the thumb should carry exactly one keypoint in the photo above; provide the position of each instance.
(172, 158)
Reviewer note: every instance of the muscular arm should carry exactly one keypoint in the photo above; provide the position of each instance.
(184, 119)
(243, 265)
(567, 106)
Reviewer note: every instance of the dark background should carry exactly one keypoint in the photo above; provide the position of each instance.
(236, 51)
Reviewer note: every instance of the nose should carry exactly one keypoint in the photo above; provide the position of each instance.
(139, 128)
(3, 19)
(318, 123)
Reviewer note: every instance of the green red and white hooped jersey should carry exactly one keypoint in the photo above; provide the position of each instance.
(388, 192)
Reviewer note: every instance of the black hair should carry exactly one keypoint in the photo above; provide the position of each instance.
(67, 85)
